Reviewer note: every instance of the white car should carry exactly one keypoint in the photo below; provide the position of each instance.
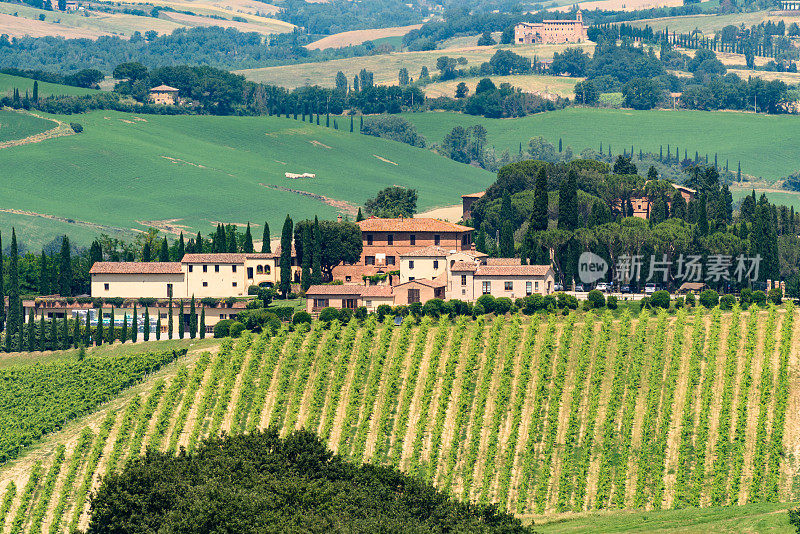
(602, 286)
(649, 289)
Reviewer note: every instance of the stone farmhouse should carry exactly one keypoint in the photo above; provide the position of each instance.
(551, 31)
(642, 204)
(164, 95)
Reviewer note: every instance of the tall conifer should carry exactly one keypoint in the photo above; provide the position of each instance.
(316, 259)
(265, 244)
(286, 257)
(192, 320)
(247, 243)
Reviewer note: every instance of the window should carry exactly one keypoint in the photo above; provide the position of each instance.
(528, 288)
(348, 278)
(163, 315)
(368, 304)
(233, 269)
(369, 239)
(209, 329)
(369, 260)
(267, 269)
(320, 303)
(463, 291)
(412, 239)
(437, 239)
(486, 287)
(410, 264)
(389, 260)
(463, 279)
(435, 264)
(169, 290)
(390, 239)
(259, 269)
(537, 286)
(413, 295)
(105, 286)
(216, 268)
(249, 273)
(509, 286)
(205, 268)
(234, 284)
(205, 284)
(350, 304)
(466, 239)
(190, 268)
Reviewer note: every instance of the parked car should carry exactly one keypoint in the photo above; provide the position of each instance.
(558, 287)
(625, 288)
(649, 289)
(579, 287)
(603, 286)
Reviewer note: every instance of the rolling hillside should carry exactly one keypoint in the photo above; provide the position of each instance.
(124, 170)
(9, 82)
(543, 415)
(756, 140)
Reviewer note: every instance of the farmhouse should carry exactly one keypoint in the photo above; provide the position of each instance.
(165, 95)
(466, 204)
(551, 31)
(642, 204)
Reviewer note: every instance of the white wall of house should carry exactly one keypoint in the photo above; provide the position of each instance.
(137, 285)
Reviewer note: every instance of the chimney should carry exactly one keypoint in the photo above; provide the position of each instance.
(339, 218)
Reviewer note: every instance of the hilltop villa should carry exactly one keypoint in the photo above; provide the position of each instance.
(551, 31)
(165, 95)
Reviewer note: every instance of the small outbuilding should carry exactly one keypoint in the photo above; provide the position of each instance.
(164, 95)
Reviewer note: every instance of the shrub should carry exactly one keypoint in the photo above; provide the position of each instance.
(230, 301)
(478, 309)
(76, 127)
(345, 314)
(360, 313)
(382, 311)
(746, 297)
(644, 304)
(400, 310)
(301, 317)
(567, 301)
(487, 303)
(328, 314)
(709, 298)
(284, 313)
(254, 304)
(503, 305)
(794, 518)
(253, 290)
(532, 304)
(680, 302)
(432, 308)
(459, 307)
(585, 306)
(691, 301)
(415, 309)
(726, 302)
(660, 299)
(115, 301)
(97, 302)
(596, 298)
(236, 329)
(775, 295)
(611, 302)
(210, 302)
(259, 320)
(759, 297)
(222, 328)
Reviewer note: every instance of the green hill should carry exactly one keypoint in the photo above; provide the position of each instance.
(758, 141)
(15, 125)
(126, 169)
(9, 82)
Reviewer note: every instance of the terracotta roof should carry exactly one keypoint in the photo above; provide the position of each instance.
(376, 291)
(214, 258)
(262, 255)
(429, 251)
(463, 266)
(164, 89)
(420, 224)
(512, 270)
(503, 261)
(425, 282)
(136, 267)
(335, 290)
(474, 195)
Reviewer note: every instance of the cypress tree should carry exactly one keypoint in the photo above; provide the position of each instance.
(87, 331)
(146, 255)
(134, 326)
(308, 253)
(2, 287)
(111, 327)
(14, 319)
(506, 230)
(359, 216)
(316, 260)
(198, 244)
(181, 249)
(247, 243)
(480, 239)
(158, 326)
(327, 120)
(35, 90)
(98, 332)
(560, 149)
(702, 217)
(31, 333)
(169, 323)
(265, 245)
(286, 257)
(335, 124)
(181, 326)
(568, 202)
(65, 333)
(739, 172)
(360, 124)
(123, 336)
(146, 324)
(164, 252)
(540, 200)
(202, 322)
(65, 270)
(192, 320)
(20, 346)
(42, 338)
(76, 332)
(351, 124)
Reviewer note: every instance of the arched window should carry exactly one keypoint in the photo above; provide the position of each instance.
(259, 269)
(267, 270)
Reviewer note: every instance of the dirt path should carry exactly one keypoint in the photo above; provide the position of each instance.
(191, 418)
(345, 207)
(87, 224)
(236, 391)
(60, 130)
(378, 405)
(344, 394)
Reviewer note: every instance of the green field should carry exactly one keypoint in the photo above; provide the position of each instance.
(9, 82)
(202, 169)
(759, 141)
(15, 125)
(710, 24)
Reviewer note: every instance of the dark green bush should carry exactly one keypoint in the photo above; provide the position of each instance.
(360, 313)
(596, 298)
(328, 314)
(775, 295)
(236, 329)
(727, 302)
(759, 297)
(611, 302)
(660, 299)
(487, 303)
(222, 328)
(301, 317)
(382, 311)
(709, 298)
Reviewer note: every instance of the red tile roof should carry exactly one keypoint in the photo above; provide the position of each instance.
(438, 282)
(135, 267)
(512, 270)
(430, 251)
(164, 89)
(463, 266)
(503, 261)
(376, 291)
(419, 224)
(351, 290)
(474, 195)
(214, 258)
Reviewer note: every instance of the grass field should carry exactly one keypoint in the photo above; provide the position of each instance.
(785, 198)
(710, 24)
(529, 83)
(9, 82)
(386, 66)
(356, 37)
(554, 418)
(124, 170)
(17, 125)
(757, 140)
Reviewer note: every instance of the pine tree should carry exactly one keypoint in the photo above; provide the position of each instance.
(123, 336)
(169, 323)
(35, 90)
(111, 334)
(76, 332)
(42, 330)
(265, 245)
(308, 254)
(181, 249)
(286, 257)
(192, 320)
(87, 331)
(98, 332)
(146, 254)
(568, 202)
(202, 322)
(164, 252)
(31, 333)
(95, 253)
(146, 324)
(506, 230)
(540, 202)
(247, 242)
(158, 326)
(44, 275)
(702, 217)
(64, 333)
(316, 259)
(359, 216)
(181, 326)
(134, 326)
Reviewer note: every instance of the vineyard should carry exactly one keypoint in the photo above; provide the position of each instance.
(541, 414)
